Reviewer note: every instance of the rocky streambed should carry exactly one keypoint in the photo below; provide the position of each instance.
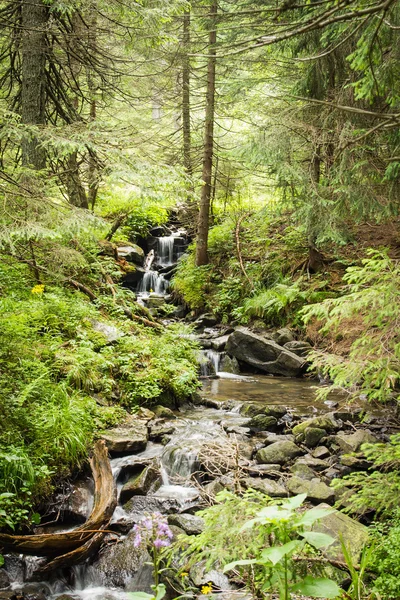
(256, 431)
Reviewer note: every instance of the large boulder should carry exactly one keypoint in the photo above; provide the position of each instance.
(352, 442)
(328, 422)
(131, 437)
(262, 354)
(268, 487)
(140, 484)
(342, 528)
(299, 348)
(190, 524)
(131, 253)
(279, 452)
(315, 489)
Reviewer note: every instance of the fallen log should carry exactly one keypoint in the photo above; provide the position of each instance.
(56, 544)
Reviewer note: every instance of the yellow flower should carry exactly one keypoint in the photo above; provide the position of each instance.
(38, 289)
(206, 589)
(183, 574)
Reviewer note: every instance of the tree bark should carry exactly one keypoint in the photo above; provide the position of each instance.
(204, 212)
(34, 16)
(186, 127)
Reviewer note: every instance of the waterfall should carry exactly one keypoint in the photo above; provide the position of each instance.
(165, 250)
(153, 282)
(210, 362)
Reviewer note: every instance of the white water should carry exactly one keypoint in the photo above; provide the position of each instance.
(210, 362)
(165, 250)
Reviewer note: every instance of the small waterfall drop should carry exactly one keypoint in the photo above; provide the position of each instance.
(165, 250)
(210, 362)
(153, 282)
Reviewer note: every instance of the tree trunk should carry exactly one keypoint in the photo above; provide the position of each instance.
(93, 169)
(187, 146)
(204, 212)
(33, 85)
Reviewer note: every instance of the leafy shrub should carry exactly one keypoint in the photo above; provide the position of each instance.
(190, 282)
(385, 560)
(372, 366)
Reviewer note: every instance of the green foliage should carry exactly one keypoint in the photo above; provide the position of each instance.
(372, 366)
(260, 549)
(190, 282)
(378, 490)
(385, 558)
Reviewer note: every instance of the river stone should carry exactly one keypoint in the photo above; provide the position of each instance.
(251, 410)
(159, 428)
(155, 301)
(4, 579)
(270, 470)
(262, 423)
(312, 436)
(263, 354)
(132, 253)
(351, 442)
(279, 452)
(162, 412)
(141, 581)
(8, 595)
(78, 505)
(355, 463)
(130, 438)
(137, 505)
(327, 422)
(229, 364)
(321, 452)
(67, 597)
(118, 562)
(205, 320)
(315, 489)
(341, 526)
(35, 591)
(191, 524)
(139, 485)
(283, 336)
(219, 343)
(299, 348)
(200, 576)
(302, 471)
(271, 438)
(265, 486)
(314, 463)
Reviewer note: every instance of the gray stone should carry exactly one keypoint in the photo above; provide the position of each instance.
(265, 486)
(249, 409)
(110, 332)
(315, 489)
(269, 470)
(205, 320)
(355, 463)
(4, 579)
(321, 452)
(79, 504)
(213, 488)
(8, 595)
(263, 354)
(160, 428)
(131, 437)
(279, 452)
(327, 422)
(219, 343)
(162, 412)
(155, 301)
(302, 471)
(312, 436)
(314, 463)
(342, 527)
(200, 576)
(132, 253)
(262, 423)
(299, 348)
(283, 336)
(230, 365)
(191, 524)
(352, 442)
(271, 438)
(35, 591)
(139, 485)
(67, 597)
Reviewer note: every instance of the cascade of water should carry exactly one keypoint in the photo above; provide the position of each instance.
(153, 282)
(210, 362)
(165, 250)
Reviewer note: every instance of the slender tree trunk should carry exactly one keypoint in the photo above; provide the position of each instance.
(33, 88)
(204, 212)
(93, 170)
(186, 128)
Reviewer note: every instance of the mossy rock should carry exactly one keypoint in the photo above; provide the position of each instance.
(279, 452)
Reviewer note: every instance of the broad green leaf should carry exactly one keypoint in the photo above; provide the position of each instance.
(294, 502)
(140, 596)
(317, 588)
(318, 540)
(312, 515)
(236, 563)
(36, 518)
(276, 553)
(160, 591)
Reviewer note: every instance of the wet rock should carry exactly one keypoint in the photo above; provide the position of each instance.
(162, 412)
(340, 526)
(279, 452)
(230, 365)
(111, 333)
(200, 576)
(35, 591)
(263, 354)
(283, 336)
(262, 423)
(14, 564)
(67, 597)
(219, 343)
(315, 489)
(314, 463)
(268, 470)
(355, 463)
(180, 311)
(327, 422)
(9, 595)
(271, 438)
(351, 442)
(137, 505)
(311, 436)
(155, 301)
(251, 410)
(331, 474)
(321, 452)
(159, 428)
(130, 438)
(140, 485)
(191, 524)
(302, 471)
(299, 348)
(78, 505)
(268, 487)
(142, 580)
(213, 488)
(4, 579)
(118, 563)
(205, 320)
(131, 253)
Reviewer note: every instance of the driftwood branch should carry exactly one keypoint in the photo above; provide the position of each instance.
(238, 247)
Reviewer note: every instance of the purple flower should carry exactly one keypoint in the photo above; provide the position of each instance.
(158, 543)
(138, 540)
(153, 529)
